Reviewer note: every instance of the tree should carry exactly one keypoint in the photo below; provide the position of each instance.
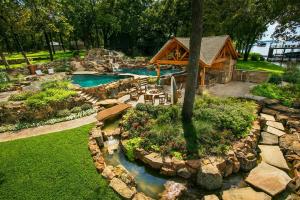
(194, 55)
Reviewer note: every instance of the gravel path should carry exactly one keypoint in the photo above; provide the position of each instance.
(42, 130)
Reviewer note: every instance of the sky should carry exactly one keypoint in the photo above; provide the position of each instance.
(270, 31)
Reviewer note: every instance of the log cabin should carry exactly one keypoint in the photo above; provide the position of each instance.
(217, 57)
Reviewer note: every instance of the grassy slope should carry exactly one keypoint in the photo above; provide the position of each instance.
(54, 166)
(40, 54)
(259, 65)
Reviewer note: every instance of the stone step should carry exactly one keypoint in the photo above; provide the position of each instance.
(268, 178)
(267, 117)
(272, 155)
(277, 125)
(274, 131)
(268, 138)
(246, 193)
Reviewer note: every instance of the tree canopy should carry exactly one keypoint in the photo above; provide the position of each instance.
(137, 27)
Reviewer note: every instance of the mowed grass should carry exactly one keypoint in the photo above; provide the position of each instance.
(44, 55)
(259, 65)
(53, 166)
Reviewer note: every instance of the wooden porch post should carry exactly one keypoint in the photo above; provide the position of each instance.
(203, 77)
(158, 71)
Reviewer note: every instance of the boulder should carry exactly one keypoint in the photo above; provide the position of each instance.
(177, 164)
(244, 194)
(108, 172)
(154, 160)
(141, 196)
(268, 178)
(268, 138)
(100, 163)
(195, 164)
(167, 171)
(184, 173)
(290, 144)
(97, 135)
(267, 117)
(272, 155)
(247, 161)
(274, 131)
(172, 190)
(210, 197)
(277, 125)
(121, 188)
(209, 177)
(121, 173)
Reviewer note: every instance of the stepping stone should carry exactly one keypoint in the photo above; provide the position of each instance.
(120, 187)
(274, 131)
(210, 197)
(267, 117)
(268, 138)
(277, 125)
(268, 178)
(272, 155)
(246, 193)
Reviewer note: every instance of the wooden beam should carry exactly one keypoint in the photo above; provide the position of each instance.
(183, 55)
(220, 60)
(203, 77)
(172, 62)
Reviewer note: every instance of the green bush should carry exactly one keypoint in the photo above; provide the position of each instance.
(63, 68)
(255, 56)
(56, 85)
(4, 77)
(86, 106)
(76, 53)
(76, 109)
(4, 86)
(63, 113)
(48, 96)
(287, 94)
(275, 79)
(21, 96)
(131, 145)
(292, 74)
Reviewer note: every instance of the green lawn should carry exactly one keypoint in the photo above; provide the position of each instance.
(41, 54)
(259, 65)
(53, 166)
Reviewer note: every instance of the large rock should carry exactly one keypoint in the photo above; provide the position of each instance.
(290, 144)
(268, 138)
(210, 197)
(268, 178)
(172, 190)
(277, 125)
(108, 172)
(267, 117)
(247, 161)
(274, 131)
(141, 196)
(121, 173)
(273, 156)
(121, 188)
(244, 194)
(97, 135)
(184, 173)
(209, 177)
(154, 160)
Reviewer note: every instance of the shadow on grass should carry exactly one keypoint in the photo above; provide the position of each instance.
(2, 178)
(191, 139)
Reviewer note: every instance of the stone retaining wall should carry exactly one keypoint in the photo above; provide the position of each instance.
(250, 76)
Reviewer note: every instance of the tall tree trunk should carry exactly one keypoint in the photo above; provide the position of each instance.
(193, 66)
(21, 48)
(76, 43)
(62, 42)
(8, 47)
(48, 45)
(53, 49)
(4, 60)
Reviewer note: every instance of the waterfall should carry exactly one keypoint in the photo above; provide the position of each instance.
(112, 144)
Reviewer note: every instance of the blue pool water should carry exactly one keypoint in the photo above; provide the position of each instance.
(146, 72)
(91, 80)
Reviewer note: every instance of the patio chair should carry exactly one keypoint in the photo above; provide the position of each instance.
(50, 71)
(39, 72)
(134, 96)
(168, 97)
(162, 99)
(148, 99)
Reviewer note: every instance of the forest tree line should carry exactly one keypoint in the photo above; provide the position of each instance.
(137, 27)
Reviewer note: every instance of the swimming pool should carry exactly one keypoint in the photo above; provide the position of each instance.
(91, 80)
(146, 72)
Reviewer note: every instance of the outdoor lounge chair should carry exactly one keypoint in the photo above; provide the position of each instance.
(134, 96)
(39, 72)
(162, 99)
(148, 99)
(50, 71)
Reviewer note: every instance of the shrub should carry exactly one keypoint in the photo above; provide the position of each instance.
(131, 145)
(275, 79)
(76, 109)
(48, 96)
(86, 106)
(21, 96)
(177, 155)
(63, 113)
(4, 77)
(4, 86)
(255, 56)
(56, 85)
(63, 68)
(76, 53)
(292, 74)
